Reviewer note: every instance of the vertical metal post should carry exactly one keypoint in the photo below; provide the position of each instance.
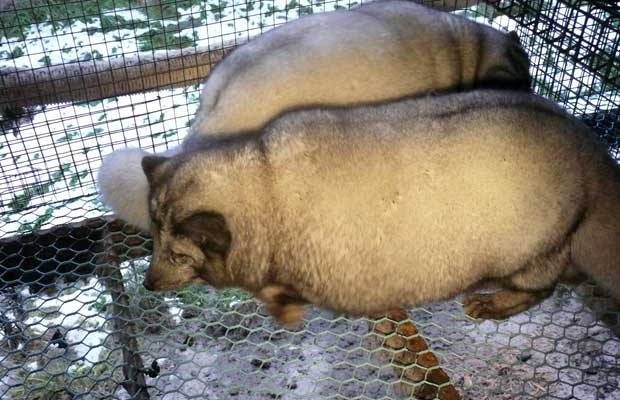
(110, 274)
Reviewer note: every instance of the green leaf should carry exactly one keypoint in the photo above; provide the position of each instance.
(156, 39)
(47, 61)
(77, 177)
(69, 136)
(59, 174)
(94, 132)
(38, 222)
(172, 132)
(306, 10)
(97, 55)
(16, 52)
(217, 9)
(271, 9)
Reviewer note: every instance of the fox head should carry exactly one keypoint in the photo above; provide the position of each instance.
(504, 63)
(189, 245)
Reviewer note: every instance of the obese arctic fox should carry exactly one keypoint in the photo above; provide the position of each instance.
(369, 54)
(370, 208)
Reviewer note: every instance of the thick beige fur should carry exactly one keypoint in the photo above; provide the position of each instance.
(373, 53)
(376, 52)
(372, 208)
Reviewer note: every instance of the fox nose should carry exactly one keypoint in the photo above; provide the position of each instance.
(148, 284)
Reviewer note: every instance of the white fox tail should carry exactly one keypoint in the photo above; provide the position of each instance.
(123, 185)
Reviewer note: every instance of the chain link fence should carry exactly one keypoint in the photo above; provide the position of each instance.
(83, 78)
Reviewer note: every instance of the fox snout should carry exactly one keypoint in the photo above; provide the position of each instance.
(149, 282)
(157, 282)
(156, 285)
(165, 276)
(148, 285)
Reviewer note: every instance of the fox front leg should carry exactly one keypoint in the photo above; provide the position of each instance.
(283, 303)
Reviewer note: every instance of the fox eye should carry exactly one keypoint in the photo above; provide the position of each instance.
(178, 258)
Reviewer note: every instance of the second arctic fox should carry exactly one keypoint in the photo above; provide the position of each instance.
(369, 54)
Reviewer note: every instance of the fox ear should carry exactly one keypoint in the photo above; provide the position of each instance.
(513, 35)
(150, 165)
(209, 230)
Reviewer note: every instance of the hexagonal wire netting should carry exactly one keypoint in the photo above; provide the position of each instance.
(75, 321)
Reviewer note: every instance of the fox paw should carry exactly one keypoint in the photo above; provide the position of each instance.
(283, 303)
(481, 306)
(287, 315)
(502, 304)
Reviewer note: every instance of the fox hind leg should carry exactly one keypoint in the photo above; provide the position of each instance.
(596, 244)
(502, 304)
(522, 290)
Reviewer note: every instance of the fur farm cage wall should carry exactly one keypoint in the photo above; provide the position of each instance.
(80, 78)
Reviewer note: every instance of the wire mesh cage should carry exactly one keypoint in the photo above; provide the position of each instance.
(83, 78)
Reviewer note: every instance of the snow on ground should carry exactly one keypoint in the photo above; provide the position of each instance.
(235, 21)
(174, 311)
(82, 325)
(69, 140)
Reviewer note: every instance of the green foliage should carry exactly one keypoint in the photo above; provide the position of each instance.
(38, 222)
(250, 6)
(165, 9)
(158, 39)
(100, 305)
(489, 12)
(93, 103)
(22, 200)
(218, 8)
(97, 55)
(45, 60)
(165, 135)
(202, 297)
(60, 13)
(68, 136)
(114, 22)
(271, 9)
(96, 131)
(77, 177)
(306, 10)
(16, 53)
